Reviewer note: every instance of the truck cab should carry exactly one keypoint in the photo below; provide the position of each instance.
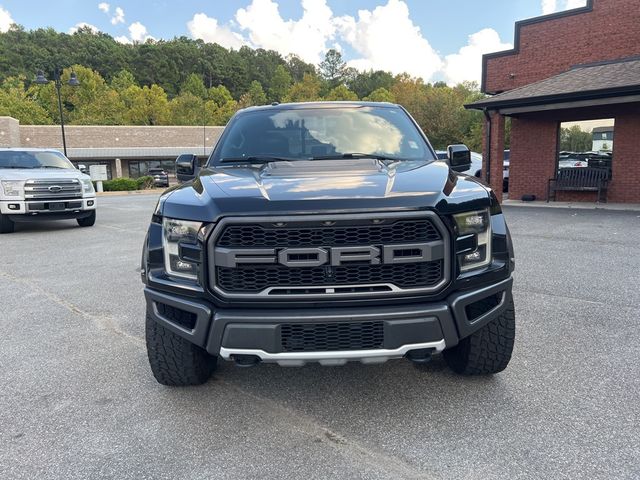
(42, 184)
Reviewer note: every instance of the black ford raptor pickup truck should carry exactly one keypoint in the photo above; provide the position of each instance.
(326, 232)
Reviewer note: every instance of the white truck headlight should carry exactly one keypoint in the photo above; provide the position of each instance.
(477, 223)
(174, 232)
(12, 188)
(87, 185)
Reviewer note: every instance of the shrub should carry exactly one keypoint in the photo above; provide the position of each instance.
(145, 182)
(120, 184)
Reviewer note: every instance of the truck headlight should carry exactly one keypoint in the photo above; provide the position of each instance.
(477, 223)
(175, 232)
(12, 188)
(87, 185)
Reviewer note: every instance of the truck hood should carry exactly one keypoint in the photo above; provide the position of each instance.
(328, 185)
(40, 173)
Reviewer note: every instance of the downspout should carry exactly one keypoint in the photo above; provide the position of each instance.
(488, 143)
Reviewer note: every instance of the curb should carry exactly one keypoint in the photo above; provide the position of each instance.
(150, 191)
(620, 207)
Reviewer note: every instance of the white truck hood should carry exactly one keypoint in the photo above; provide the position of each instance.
(40, 173)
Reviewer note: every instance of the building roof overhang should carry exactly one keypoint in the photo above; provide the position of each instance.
(598, 84)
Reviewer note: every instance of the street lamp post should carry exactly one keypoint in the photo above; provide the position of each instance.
(73, 81)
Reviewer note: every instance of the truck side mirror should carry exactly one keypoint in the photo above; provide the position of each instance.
(186, 167)
(459, 157)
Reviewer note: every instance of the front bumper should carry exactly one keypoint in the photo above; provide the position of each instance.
(34, 208)
(230, 333)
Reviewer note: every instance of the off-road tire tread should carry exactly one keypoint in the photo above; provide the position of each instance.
(488, 350)
(174, 360)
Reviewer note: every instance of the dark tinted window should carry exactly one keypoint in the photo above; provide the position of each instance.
(316, 132)
(33, 159)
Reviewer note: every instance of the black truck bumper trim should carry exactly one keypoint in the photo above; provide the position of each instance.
(260, 329)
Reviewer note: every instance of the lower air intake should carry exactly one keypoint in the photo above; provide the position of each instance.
(332, 336)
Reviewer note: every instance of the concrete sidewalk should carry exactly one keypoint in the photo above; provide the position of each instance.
(626, 207)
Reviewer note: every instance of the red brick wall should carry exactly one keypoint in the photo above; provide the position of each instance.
(625, 183)
(533, 156)
(610, 31)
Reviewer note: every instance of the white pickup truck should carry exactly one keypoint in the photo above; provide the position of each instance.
(42, 184)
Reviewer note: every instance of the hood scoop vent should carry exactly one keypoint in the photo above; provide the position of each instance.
(313, 168)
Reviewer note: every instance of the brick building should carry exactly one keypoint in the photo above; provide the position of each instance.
(127, 151)
(578, 65)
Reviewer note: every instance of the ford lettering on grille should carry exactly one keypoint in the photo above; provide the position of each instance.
(334, 256)
(321, 257)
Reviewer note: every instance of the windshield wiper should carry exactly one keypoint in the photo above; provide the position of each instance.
(258, 159)
(51, 166)
(14, 166)
(355, 155)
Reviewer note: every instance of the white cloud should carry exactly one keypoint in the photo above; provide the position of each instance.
(104, 7)
(306, 37)
(387, 39)
(383, 38)
(80, 25)
(138, 32)
(118, 16)
(552, 6)
(467, 63)
(5, 20)
(207, 28)
(549, 6)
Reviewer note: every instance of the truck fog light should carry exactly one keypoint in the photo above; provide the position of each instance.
(473, 257)
(14, 206)
(90, 203)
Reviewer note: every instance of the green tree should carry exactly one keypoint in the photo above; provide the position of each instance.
(308, 90)
(146, 105)
(187, 109)
(254, 96)
(280, 84)
(14, 102)
(380, 95)
(194, 85)
(333, 69)
(341, 92)
(123, 80)
(220, 95)
(365, 83)
(574, 139)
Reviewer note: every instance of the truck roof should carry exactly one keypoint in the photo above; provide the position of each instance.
(28, 149)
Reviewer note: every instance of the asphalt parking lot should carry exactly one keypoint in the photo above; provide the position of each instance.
(77, 399)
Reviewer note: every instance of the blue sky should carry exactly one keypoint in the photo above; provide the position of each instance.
(447, 37)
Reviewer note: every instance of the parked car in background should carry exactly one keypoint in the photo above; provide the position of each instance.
(38, 184)
(160, 177)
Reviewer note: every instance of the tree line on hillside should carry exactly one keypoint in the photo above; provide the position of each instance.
(189, 82)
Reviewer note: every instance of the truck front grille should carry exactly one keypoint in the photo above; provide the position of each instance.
(326, 337)
(254, 279)
(52, 189)
(309, 256)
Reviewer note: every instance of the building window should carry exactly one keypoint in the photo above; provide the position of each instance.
(140, 168)
(84, 166)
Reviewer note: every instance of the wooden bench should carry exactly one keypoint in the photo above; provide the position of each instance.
(582, 179)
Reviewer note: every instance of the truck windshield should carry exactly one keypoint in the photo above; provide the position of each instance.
(321, 134)
(33, 159)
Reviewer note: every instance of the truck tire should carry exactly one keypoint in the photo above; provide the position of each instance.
(488, 350)
(175, 361)
(87, 221)
(6, 224)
